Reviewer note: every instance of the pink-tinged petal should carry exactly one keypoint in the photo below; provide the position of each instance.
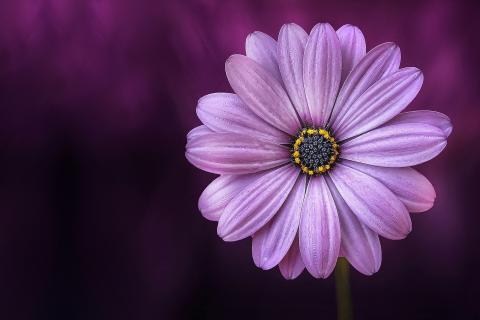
(262, 93)
(231, 153)
(434, 118)
(360, 245)
(256, 204)
(198, 131)
(322, 70)
(319, 232)
(226, 112)
(399, 145)
(380, 103)
(291, 47)
(409, 185)
(373, 203)
(353, 47)
(220, 191)
(378, 62)
(263, 49)
(292, 264)
(271, 243)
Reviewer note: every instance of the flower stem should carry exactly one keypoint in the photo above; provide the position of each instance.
(342, 284)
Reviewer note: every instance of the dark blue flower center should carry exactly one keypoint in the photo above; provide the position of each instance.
(314, 150)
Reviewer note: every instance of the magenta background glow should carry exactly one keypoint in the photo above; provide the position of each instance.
(98, 204)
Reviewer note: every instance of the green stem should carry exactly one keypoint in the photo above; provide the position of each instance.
(342, 284)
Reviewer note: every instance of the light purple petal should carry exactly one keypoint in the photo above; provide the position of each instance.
(226, 112)
(271, 243)
(220, 191)
(434, 118)
(399, 145)
(262, 93)
(322, 70)
(378, 62)
(409, 185)
(198, 131)
(291, 47)
(373, 203)
(319, 232)
(380, 103)
(353, 47)
(256, 204)
(231, 153)
(292, 264)
(263, 49)
(360, 245)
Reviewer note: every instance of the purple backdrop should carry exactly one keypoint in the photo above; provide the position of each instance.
(98, 205)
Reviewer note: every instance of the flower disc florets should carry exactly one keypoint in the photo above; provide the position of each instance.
(314, 150)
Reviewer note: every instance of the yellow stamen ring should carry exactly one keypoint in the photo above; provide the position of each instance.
(314, 150)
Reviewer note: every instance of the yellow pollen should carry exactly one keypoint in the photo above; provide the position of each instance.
(312, 163)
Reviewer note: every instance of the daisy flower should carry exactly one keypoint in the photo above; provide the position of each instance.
(313, 152)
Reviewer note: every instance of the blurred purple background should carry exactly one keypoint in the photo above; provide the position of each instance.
(98, 205)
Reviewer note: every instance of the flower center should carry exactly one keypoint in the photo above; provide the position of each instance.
(314, 150)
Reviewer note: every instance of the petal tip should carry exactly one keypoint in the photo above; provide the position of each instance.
(231, 58)
(252, 35)
(223, 232)
(263, 263)
(448, 126)
(290, 27)
(350, 27)
(416, 73)
(322, 26)
(225, 236)
(289, 273)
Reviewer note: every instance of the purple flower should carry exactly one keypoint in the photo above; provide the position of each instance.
(313, 153)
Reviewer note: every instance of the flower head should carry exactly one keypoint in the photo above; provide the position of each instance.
(313, 151)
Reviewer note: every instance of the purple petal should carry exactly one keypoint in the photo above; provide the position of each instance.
(262, 93)
(262, 48)
(360, 245)
(373, 203)
(220, 191)
(399, 145)
(291, 46)
(433, 118)
(380, 103)
(226, 112)
(231, 153)
(353, 47)
(256, 204)
(292, 264)
(410, 186)
(322, 70)
(379, 62)
(198, 131)
(319, 232)
(271, 243)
